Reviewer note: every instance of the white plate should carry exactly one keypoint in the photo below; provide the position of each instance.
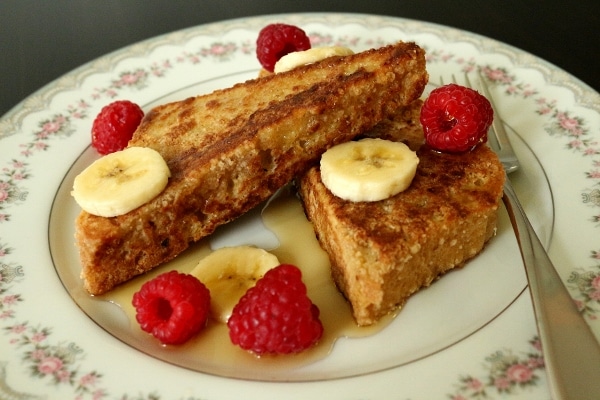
(471, 332)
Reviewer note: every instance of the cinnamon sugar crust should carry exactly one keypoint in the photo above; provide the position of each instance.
(383, 252)
(232, 149)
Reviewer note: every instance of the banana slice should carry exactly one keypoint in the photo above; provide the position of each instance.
(120, 182)
(229, 272)
(298, 58)
(368, 169)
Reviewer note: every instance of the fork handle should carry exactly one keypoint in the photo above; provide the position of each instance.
(571, 351)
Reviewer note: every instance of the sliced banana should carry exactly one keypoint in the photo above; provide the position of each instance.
(229, 272)
(121, 182)
(368, 169)
(298, 58)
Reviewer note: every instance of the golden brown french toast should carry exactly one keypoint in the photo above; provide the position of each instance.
(383, 252)
(230, 150)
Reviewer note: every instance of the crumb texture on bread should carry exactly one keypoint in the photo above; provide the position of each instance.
(230, 150)
(383, 252)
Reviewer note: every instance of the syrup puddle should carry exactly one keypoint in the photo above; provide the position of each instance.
(283, 215)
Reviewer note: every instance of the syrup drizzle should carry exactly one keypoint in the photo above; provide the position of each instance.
(211, 350)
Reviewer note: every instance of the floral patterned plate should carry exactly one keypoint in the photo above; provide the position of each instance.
(471, 335)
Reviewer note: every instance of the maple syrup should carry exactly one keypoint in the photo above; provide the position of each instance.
(211, 350)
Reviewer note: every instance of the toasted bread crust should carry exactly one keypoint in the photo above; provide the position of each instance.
(232, 149)
(383, 252)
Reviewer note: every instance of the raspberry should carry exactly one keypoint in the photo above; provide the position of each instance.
(172, 307)
(455, 118)
(276, 316)
(114, 126)
(276, 40)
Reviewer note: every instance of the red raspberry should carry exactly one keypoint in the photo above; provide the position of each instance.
(455, 118)
(276, 316)
(172, 307)
(114, 126)
(276, 40)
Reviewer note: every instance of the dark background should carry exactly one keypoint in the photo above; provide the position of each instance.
(41, 40)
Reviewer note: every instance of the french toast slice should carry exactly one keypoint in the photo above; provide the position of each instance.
(232, 149)
(383, 252)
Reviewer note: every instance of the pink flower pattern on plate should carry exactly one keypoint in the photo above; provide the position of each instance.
(508, 374)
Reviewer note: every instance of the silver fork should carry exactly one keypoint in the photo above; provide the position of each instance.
(571, 351)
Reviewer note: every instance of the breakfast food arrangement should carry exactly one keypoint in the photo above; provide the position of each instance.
(398, 190)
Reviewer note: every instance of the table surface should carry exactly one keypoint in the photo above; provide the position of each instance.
(42, 40)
